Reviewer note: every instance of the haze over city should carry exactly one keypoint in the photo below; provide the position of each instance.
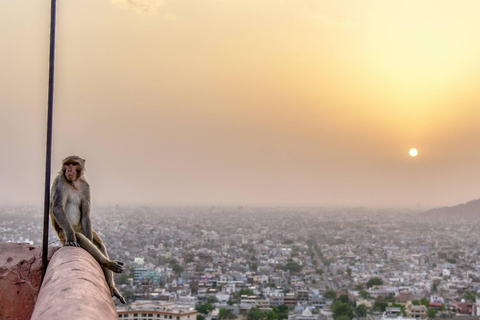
(246, 102)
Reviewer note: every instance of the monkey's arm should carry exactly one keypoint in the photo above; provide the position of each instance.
(58, 211)
(86, 219)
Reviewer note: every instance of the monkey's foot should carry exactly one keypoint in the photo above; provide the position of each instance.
(116, 293)
(72, 244)
(115, 265)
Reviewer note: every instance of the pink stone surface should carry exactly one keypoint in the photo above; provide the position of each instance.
(74, 288)
(20, 279)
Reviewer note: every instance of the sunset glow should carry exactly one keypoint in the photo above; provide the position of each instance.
(233, 101)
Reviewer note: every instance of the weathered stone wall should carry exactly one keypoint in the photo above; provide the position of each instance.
(20, 279)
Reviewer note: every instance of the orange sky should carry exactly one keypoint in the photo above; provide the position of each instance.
(271, 102)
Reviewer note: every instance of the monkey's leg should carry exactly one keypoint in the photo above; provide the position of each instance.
(114, 265)
(63, 238)
(97, 241)
(60, 233)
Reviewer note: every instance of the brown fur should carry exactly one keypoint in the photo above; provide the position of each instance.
(70, 214)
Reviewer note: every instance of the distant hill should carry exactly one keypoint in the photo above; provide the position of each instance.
(469, 209)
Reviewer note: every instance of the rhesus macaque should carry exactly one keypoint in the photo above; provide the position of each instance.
(70, 213)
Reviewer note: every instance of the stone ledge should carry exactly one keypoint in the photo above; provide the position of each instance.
(74, 288)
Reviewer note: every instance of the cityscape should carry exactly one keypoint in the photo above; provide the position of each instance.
(249, 160)
(295, 263)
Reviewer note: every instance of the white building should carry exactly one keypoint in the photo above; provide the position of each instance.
(437, 299)
(306, 315)
(382, 291)
(150, 310)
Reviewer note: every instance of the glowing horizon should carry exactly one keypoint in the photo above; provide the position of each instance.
(222, 101)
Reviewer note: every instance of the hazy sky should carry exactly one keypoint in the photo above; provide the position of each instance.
(270, 102)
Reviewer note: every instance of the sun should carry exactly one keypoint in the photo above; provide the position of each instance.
(413, 152)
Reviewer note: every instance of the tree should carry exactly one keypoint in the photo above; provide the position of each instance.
(282, 311)
(245, 292)
(375, 281)
(432, 313)
(319, 271)
(122, 279)
(380, 305)
(225, 314)
(178, 269)
(341, 309)
(364, 294)
(205, 308)
(212, 299)
(469, 295)
(425, 302)
(200, 317)
(272, 315)
(451, 260)
(255, 314)
(361, 310)
(330, 294)
(292, 266)
(344, 298)
(282, 308)
(359, 286)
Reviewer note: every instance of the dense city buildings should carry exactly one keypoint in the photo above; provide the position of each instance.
(295, 263)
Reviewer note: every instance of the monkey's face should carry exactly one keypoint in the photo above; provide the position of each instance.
(72, 170)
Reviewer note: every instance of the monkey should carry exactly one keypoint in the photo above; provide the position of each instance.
(70, 214)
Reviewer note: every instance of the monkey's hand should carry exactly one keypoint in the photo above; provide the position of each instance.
(72, 244)
(114, 265)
